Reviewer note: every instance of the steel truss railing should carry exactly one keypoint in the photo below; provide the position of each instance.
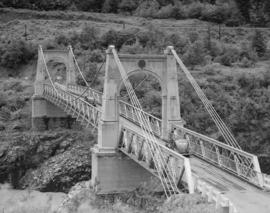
(130, 112)
(135, 146)
(233, 160)
(125, 109)
(90, 93)
(83, 111)
(223, 155)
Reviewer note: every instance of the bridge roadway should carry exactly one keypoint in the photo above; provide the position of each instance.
(246, 197)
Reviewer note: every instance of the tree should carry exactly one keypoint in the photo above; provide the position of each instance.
(259, 43)
(128, 5)
(110, 6)
(244, 7)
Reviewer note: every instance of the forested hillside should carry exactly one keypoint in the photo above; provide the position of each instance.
(229, 12)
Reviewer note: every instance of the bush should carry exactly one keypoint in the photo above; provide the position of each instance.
(88, 38)
(128, 5)
(194, 10)
(165, 12)
(116, 38)
(193, 36)
(89, 74)
(178, 11)
(16, 53)
(132, 49)
(229, 56)
(148, 8)
(180, 43)
(245, 63)
(215, 13)
(195, 54)
(96, 56)
(259, 43)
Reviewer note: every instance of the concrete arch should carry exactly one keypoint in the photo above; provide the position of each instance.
(137, 71)
(163, 67)
(62, 56)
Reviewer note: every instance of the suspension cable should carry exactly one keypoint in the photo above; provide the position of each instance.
(139, 84)
(88, 86)
(226, 133)
(77, 65)
(46, 68)
(160, 163)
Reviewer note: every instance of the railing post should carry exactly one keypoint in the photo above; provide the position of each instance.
(189, 175)
(202, 148)
(257, 169)
(238, 170)
(218, 156)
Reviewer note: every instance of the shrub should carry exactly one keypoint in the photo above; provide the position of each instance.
(259, 44)
(132, 49)
(128, 5)
(96, 56)
(245, 63)
(148, 8)
(143, 38)
(53, 5)
(195, 54)
(16, 53)
(229, 56)
(117, 38)
(165, 12)
(215, 13)
(214, 48)
(193, 36)
(151, 39)
(178, 11)
(194, 10)
(180, 43)
(89, 38)
(210, 70)
(89, 74)
(110, 6)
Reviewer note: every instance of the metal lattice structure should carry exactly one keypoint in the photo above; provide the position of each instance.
(147, 146)
(72, 105)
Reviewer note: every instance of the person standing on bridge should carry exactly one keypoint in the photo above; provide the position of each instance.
(172, 138)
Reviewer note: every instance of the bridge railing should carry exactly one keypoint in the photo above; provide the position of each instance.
(236, 161)
(266, 180)
(130, 112)
(77, 107)
(135, 146)
(90, 93)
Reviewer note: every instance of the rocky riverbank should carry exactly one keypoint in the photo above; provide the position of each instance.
(47, 161)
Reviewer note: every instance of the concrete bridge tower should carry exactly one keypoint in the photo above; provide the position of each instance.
(45, 115)
(111, 170)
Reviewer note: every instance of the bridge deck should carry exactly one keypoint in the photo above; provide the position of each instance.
(246, 197)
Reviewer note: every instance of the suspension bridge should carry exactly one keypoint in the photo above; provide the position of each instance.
(131, 147)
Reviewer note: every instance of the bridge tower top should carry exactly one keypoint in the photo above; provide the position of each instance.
(163, 67)
(63, 56)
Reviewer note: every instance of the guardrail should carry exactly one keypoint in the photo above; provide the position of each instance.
(72, 105)
(266, 180)
(236, 161)
(213, 195)
(88, 92)
(136, 147)
(130, 112)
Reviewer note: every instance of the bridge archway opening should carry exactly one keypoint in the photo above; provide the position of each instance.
(147, 87)
(58, 70)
